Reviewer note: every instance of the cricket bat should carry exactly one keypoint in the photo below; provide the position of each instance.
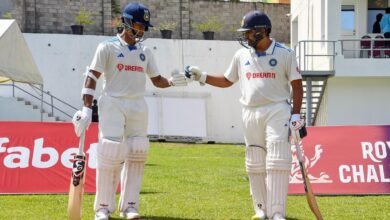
(306, 182)
(76, 189)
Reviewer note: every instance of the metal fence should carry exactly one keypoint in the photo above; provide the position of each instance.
(365, 48)
(52, 104)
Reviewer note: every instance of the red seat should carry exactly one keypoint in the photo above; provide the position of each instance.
(379, 46)
(365, 44)
(387, 49)
(387, 52)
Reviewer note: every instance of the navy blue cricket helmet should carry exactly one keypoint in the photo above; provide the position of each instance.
(136, 13)
(255, 19)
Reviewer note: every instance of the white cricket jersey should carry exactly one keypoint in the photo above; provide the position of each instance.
(123, 67)
(264, 77)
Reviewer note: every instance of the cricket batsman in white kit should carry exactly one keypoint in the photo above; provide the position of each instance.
(265, 70)
(123, 145)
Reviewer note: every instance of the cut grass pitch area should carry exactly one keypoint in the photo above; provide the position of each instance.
(185, 181)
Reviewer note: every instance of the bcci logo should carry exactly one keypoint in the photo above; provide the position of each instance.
(142, 56)
(273, 62)
(242, 21)
(146, 15)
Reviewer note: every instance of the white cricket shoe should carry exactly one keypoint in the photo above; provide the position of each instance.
(130, 213)
(260, 215)
(278, 216)
(102, 214)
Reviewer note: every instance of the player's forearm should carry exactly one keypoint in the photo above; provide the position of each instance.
(88, 99)
(218, 81)
(297, 96)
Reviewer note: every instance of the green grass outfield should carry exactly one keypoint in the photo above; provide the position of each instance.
(185, 181)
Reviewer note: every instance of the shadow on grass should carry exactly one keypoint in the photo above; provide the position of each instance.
(157, 218)
(166, 218)
(150, 192)
(151, 164)
(172, 218)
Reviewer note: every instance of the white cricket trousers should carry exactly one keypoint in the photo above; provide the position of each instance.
(122, 117)
(266, 123)
(121, 152)
(268, 156)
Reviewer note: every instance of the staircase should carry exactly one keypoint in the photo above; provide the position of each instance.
(17, 109)
(45, 115)
(313, 90)
(316, 64)
(19, 106)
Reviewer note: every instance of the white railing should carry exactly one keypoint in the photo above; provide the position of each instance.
(316, 55)
(365, 48)
(46, 99)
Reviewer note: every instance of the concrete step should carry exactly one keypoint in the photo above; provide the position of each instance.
(19, 109)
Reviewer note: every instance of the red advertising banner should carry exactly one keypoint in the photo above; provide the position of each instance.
(345, 160)
(37, 157)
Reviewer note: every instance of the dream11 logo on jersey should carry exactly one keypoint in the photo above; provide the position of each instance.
(122, 67)
(260, 75)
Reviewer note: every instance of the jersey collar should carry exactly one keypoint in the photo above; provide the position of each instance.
(124, 43)
(269, 51)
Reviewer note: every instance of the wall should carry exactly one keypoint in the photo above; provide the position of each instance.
(62, 59)
(358, 101)
(316, 19)
(56, 16)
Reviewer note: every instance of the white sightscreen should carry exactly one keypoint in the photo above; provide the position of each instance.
(176, 116)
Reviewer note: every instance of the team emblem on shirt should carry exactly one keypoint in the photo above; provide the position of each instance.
(273, 62)
(142, 56)
(146, 15)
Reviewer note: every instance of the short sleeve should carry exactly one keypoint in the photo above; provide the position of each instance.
(100, 59)
(151, 69)
(232, 72)
(293, 71)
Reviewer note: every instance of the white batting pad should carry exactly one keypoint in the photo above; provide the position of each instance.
(110, 156)
(132, 172)
(255, 167)
(278, 170)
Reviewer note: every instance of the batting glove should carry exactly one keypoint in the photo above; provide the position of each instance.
(81, 120)
(177, 79)
(194, 73)
(297, 129)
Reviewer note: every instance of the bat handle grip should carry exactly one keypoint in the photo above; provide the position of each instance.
(81, 143)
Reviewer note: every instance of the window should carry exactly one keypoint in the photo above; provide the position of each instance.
(347, 19)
